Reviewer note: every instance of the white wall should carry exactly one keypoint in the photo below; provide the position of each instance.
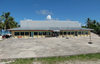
(0, 37)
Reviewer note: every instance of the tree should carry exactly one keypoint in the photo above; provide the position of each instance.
(93, 24)
(98, 24)
(8, 21)
(1, 23)
(12, 23)
(88, 23)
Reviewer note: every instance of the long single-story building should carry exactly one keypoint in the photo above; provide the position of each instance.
(49, 28)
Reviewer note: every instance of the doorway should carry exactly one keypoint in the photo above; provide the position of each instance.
(76, 33)
(55, 34)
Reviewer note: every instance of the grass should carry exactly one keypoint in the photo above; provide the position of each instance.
(55, 60)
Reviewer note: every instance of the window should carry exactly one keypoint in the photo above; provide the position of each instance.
(16, 33)
(79, 33)
(44, 33)
(68, 33)
(40, 33)
(26, 33)
(22, 33)
(86, 32)
(48, 33)
(82, 32)
(72, 33)
(64, 33)
(35, 33)
(60, 33)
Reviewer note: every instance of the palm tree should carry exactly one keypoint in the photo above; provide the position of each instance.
(88, 23)
(8, 21)
(1, 23)
(12, 23)
(5, 18)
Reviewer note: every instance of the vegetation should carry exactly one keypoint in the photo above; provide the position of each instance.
(7, 21)
(93, 24)
(55, 60)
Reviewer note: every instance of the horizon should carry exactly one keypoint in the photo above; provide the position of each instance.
(74, 10)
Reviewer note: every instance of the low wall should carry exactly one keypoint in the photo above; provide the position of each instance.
(42, 36)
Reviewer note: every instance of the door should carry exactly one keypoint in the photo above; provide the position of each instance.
(31, 34)
(55, 34)
(76, 33)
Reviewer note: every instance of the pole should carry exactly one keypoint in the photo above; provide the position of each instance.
(90, 42)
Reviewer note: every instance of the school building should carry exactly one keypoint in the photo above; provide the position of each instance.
(49, 28)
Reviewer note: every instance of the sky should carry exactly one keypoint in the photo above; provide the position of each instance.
(75, 10)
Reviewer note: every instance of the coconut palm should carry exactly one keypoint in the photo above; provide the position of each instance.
(8, 21)
(93, 24)
(1, 23)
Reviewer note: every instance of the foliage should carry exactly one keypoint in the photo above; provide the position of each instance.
(83, 26)
(7, 22)
(56, 60)
(23, 61)
(93, 24)
(1, 25)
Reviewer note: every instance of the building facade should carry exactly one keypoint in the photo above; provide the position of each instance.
(49, 28)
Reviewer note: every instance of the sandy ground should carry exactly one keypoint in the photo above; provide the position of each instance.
(45, 47)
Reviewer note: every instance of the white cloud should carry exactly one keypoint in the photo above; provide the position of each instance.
(44, 12)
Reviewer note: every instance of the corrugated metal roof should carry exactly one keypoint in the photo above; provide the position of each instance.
(49, 25)
(63, 28)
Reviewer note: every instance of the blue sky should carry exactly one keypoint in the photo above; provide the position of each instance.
(78, 10)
